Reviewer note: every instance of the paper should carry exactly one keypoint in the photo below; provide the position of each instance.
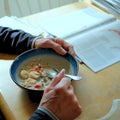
(112, 6)
(73, 23)
(17, 23)
(93, 44)
(100, 47)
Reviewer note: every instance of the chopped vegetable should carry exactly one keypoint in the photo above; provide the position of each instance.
(37, 68)
(38, 86)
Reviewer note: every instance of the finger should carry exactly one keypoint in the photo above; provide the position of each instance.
(75, 99)
(57, 78)
(66, 46)
(71, 51)
(69, 48)
(58, 47)
(64, 83)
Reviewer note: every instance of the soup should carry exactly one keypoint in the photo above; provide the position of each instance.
(32, 73)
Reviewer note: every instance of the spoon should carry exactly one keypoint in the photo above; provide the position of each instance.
(52, 72)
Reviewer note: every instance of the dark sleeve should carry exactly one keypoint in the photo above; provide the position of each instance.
(14, 41)
(40, 115)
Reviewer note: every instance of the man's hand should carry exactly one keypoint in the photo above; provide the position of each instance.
(59, 97)
(59, 45)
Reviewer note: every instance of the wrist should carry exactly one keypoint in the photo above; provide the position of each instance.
(36, 38)
(42, 35)
(48, 112)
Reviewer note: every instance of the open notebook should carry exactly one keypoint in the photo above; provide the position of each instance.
(94, 35)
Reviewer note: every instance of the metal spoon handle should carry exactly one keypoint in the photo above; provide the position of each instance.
(74, 77)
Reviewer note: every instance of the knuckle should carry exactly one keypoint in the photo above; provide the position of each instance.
(57, 46)
(60, 89)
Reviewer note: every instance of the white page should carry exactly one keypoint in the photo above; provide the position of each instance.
(75, 22)
(100, 47)
(17, 23)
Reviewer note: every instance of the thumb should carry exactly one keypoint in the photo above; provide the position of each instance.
(57, 78)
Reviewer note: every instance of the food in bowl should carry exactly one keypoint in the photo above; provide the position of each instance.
(34, 76)
(29, 70)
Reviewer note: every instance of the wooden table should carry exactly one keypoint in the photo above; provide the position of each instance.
(95, 92)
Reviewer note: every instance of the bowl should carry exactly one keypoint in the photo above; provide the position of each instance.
(27, 68)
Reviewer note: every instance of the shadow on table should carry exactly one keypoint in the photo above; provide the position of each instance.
(35, 96)
(2, 116)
